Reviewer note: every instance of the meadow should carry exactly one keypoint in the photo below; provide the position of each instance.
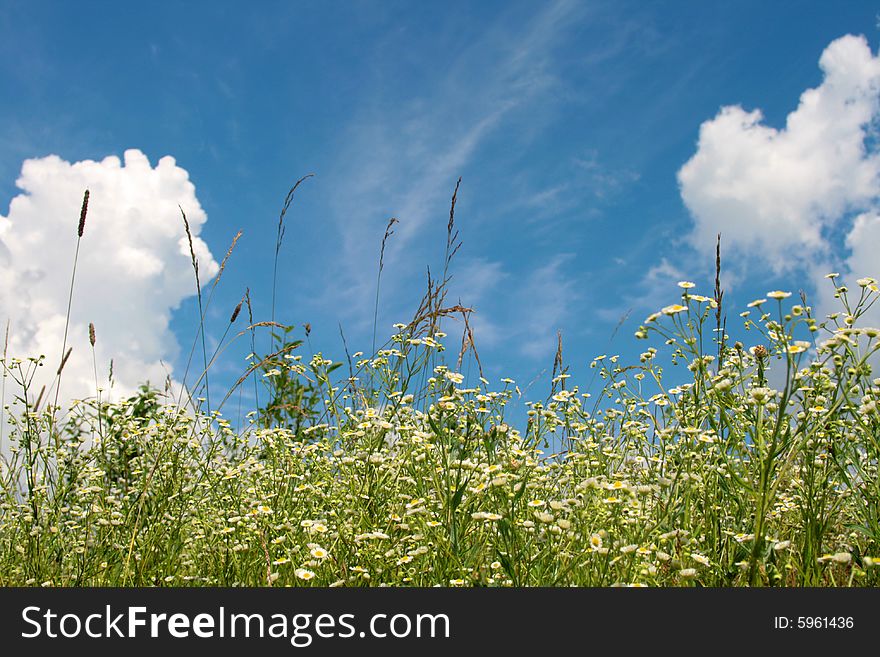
(706, 462)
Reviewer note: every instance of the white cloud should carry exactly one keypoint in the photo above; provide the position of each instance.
(863, 240)
(862, 244)
(134, 266)
(778, 194)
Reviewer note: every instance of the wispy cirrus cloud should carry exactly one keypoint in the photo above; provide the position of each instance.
(524, 310)
(402, 158)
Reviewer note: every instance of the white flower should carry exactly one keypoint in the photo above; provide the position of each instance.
(454, 377)
(699, 558)
(674, 309)
(318, 552)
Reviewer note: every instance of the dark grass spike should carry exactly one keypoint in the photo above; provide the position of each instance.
(279, 239)
(720, 321)
(557, 364)
(452, 243)
(64, 361)
(92, 340)
(203, 308)
(452, 246)
(467, 342)
(620, 322)
(250, 310)
(465, 345)
(195, 266)
(82, 215)
(39, 398)
(473, 345)
(80, 230)
(388, 233)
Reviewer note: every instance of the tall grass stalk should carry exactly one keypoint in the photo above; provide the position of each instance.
(201, 329)
(79, 234)
(388, 233)
(279, 237)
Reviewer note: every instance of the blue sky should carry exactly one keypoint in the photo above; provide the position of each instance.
(569, 123)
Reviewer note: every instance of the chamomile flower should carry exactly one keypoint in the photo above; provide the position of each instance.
(778, 295)
(700, 559)
(798, 347)
(674, 309)
(454, 377)
(318, 552)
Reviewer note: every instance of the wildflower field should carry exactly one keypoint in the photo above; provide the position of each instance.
(706, 462)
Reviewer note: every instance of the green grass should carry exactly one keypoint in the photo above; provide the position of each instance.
(705, 463)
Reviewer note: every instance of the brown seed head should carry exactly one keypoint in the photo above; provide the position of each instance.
(64, 361)
(39, 398)
(91, 334)
(82, 214)
(235, 313)
(761, 352)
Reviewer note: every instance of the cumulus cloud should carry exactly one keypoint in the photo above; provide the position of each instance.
(782, 195)
(134, 266)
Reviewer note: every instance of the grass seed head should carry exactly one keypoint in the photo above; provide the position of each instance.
(82, 214)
